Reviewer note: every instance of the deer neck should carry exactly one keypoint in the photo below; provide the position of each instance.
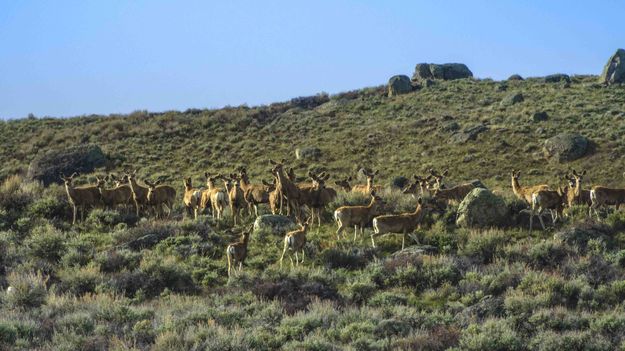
(245, 182)
(516, 187)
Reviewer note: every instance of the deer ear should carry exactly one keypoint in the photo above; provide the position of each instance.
(376, 172)
(446, 172)
(272, 162)
(349, 179)
(420, 200)
(283, 161)
(583, 173)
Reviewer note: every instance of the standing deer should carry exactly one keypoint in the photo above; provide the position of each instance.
(111, 198)
(288, 189)
(420, 186)
(367, 188)
(574, 192)
(214, 197)
(236, 197)
(295, 241)
(274, 196)
(191, 198)
(254, 194)
(344, 184)
(546, 200)
(317, 196)
(400, 224)
(357, 216)
(601, 196)
(159, 195)
(525, 192)
(237, 253)
(80, 197)
(139, 192)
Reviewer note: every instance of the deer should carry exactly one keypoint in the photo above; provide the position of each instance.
(119, 195)
(400, 224)
(286, 187)
(438, 178)
(574, 192)
(420, 185)
(191, 198)
(357, 216)
(274, 196)
(139, 192)
(317, 196)
(344, 184)
(454, 194)
(236, 197)
(254, 194)
(551, 200)
(80, 197)
(602, 196)
(237, 253)
(159, 195)
(366, 188)
(525, 192)
(295, 241)
(213, 196)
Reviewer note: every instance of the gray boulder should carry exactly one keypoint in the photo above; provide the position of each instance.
(399, 84)
(47, 166)
(512, 99)
(274, 224)
(515, 77)
(565, 147)
(467, 134)
(539, 116)
(482, 209)
(307, 153)
(446, 71)
(557, 78)
(614, 70)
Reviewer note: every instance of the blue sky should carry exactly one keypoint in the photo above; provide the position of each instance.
(67, 58)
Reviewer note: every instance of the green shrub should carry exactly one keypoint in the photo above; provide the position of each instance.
(494, 335)
(117, 260)
(484, 246)
(570, 340)
(28, 290)
(79, 281)
(354, 258)
(46, 243)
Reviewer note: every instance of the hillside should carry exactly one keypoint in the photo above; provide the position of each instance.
(400, 135)
(117, 281)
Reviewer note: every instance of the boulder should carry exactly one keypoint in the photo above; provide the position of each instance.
(399, 85)
(482, 209)
(515, 77)
(614, 70)
(565, 147)
(446, 71)
(539, 116)
(558, 77)
(307, 153)
(274, 224)
(47, 166)
(512, 99)
(468, 133)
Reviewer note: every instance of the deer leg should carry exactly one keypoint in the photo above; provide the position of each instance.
(74, 209)
(229, 265)
(403, 239)
(372, 241)
(540, 218)
(296, 259)
(302, 255)
(338, 231)
(240, 266)
(355, 231)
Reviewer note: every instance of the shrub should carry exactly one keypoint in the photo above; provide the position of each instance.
(494, 335)
(46, 243)
(354, 258)
(28, 290)
(117, 260)
(484, 246)
(570, 340)
(79, 281)
(103, 219)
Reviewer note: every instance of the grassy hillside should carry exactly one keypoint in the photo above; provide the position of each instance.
(120, 282)
(399, 135)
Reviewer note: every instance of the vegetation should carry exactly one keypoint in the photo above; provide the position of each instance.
(117, 281)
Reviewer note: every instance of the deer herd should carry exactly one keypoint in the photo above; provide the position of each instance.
(286, 195)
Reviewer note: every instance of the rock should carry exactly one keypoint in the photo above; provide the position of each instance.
(46, 167)
(400, 84)
(274, 224)
(482, 209)
(565, 147)
(614, 70)
(307, 153)
(539, 116)
(469, 133)
(515, 77)
(416, 250)
(428, 83)
(558, 77)
(447, 71)
(450, 127)
(512, 99)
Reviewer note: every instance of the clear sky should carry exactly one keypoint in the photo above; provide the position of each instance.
(66, 58)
